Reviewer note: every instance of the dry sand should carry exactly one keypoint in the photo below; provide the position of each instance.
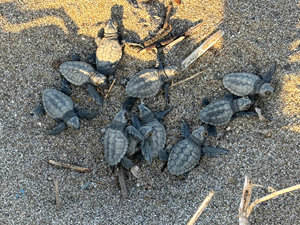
(34, 34)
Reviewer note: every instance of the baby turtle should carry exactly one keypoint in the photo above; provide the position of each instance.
(156, 142)
(186, 154)
(222, 111)
(82, 74)
(243, 84)
(149, 82)
(109, 51)
(60, 107)
(116, 140)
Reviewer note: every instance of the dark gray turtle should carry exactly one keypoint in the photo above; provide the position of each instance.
(116, 140)
(222, 111)
(60, 107)
(149, 82)
(83, 74)
(156, 142)
(109, 51)
(243, 84)
(186, 154)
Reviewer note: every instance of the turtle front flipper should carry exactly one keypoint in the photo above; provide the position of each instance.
(213, 152)
(211, 130)
(95, 95)
(60, 127)
(185, 131)
(166, 88)
(128, 103)
(131, 130)
(163, 156)
(85, 114)
(244, 114)
(127, 163)
(39, 110)
(136, 121)
(267, 77)
(65, 88)
(147, 151)
(160, 115)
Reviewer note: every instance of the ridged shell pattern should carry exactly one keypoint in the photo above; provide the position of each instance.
(115, 146)
(240, 84)
(56, 104)
(108, 55)
(144, 84)
(183, 157)
(217, 113)
(76, 72)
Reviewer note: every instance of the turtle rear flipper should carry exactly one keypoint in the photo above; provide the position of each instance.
(85, 114)
(211, 130)
(185, 131)
(60, 127)
(95, 95)
(244, 114)
(213, 152)
(127, 163)
(268, 75)
(166, 88)
(39, 110)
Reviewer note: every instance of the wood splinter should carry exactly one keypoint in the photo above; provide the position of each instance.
(201, 208)
(69, 166)
(246, 208)
(122, 182)
(57, 200)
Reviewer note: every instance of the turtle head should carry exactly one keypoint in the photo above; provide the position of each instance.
(171, 71)
(121, 116)
(144, 110)
(74, 122)
(98, 79)
(266, 89)
(243, 104)
(200, 133)
(110, 29)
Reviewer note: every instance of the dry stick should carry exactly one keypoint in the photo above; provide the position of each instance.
(69, 166)
(110, 87)
(186, 79)
(57, 200)
(164, 30)
(245, 206)
(122, 183)
(201, 208)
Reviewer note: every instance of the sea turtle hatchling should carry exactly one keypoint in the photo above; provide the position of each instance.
(186, 154)
(222, 111)
(243, 84)
(83, 74)
(109, 51)
(149, 82)
(116, 140)
(60, 107)
(155, 143)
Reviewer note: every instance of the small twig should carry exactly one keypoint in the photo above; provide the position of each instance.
(69, 166)
(57, 200)
(186, 79)
(122, 183)
(270, 196)
(110, 87)
(168, 15)
(201, 208)
(246, 208)
(159, 35)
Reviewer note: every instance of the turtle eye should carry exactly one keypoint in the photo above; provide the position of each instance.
(205, 133)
